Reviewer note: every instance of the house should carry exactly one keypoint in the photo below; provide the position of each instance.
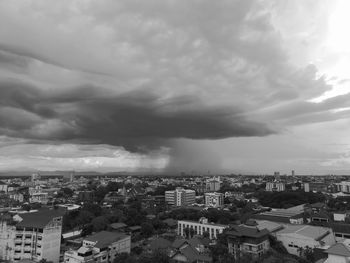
(338, 253)
(121, 227)
(192, 250)
(244, 239)
(298, 237)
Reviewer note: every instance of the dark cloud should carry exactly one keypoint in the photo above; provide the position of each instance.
(137, 120)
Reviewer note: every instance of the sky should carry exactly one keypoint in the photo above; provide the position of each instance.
(167, 86)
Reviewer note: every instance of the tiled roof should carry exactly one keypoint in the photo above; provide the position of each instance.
(246, 231)
(339, 249)
(39, 219)
(105, 238)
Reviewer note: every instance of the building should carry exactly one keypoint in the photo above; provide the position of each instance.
(180, 197)
(31, 236)
(213, 185)
(214, 199)
(298, 237)
(200, 227)
(3, 187)
(282, 216)
(275, 187)
(39, 197)
(343, 187)
(100, 247)
(245, 239)
(316, 187)
(338, 253)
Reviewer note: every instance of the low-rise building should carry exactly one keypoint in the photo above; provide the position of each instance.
(100, 247)
(298, 237)
(200, 227)
(245, 239)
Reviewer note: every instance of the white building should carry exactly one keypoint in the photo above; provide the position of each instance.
(275, 187)
(297, 237)
(180, 197)
(338, 253)
(3, 187)
(31, 236)
(200, 227)
(39, 197)
(100, 247)
(343, 186)
(213, 185)
(214, 199)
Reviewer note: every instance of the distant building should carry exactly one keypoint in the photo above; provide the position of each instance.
(316, 187)
(275, 187)
(213, 185)
(343, 187)
(245, 239)
(214, 199)
(31, 236)
(180, 197)
(293, 173)
(200, 227)
(100, 247)
(40, 197)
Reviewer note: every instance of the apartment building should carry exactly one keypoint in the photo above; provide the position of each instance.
(180, 197)
(213, 184)
(275, 187)
(200, 227)
(245, 239)
(100, 247)
(31, 236)
(343, 186)
(214, 199)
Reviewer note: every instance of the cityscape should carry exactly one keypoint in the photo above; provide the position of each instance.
(174, 131)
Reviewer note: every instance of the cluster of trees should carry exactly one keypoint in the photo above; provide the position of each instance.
(288, 198)
(156, 257)
(213, 215)
(340, 203)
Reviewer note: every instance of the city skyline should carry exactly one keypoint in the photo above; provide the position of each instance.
(172, 86)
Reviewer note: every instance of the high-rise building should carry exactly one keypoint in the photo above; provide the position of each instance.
(275, 187)
(180, 197)
(31, 236)
(214, 199)
(213, 185)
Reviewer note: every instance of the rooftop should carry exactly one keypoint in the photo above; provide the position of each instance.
(105, 238)
(314, 232)
(339, 249)
(39, 219)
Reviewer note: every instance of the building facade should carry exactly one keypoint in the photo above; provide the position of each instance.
(31, 236)
(275, 187)
(214, 199)
(244, 239)
(180, 197)
(200, 227)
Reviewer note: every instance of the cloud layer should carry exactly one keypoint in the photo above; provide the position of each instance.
(148, 75)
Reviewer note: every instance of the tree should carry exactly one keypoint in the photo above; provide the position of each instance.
(147, 229)
(99, 223)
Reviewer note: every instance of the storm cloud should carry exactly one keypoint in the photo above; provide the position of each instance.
(137, 120)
